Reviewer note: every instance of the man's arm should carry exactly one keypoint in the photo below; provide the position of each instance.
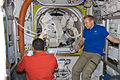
(56, 66)
(25, 53)
(79, 44)
(113, 39)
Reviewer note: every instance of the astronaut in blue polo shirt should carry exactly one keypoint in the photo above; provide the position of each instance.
(93, 39)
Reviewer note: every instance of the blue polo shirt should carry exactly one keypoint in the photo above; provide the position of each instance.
(95, 39)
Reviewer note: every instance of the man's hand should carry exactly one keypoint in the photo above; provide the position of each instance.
(77, 47)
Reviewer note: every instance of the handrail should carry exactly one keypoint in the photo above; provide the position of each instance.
(111, 65)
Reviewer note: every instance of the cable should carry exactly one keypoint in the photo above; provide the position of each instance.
(57, 41)
(7, 39)
(26, 29)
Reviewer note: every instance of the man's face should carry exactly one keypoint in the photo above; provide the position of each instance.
(88, 23)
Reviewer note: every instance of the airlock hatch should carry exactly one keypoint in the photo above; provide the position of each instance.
(60, 27)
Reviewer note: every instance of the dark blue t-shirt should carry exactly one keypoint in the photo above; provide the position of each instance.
(95, 39)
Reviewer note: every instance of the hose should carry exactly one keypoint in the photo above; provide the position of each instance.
(7, 40)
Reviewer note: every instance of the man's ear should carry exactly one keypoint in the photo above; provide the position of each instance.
(33, 49)
(92, 21)
(45, 49)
